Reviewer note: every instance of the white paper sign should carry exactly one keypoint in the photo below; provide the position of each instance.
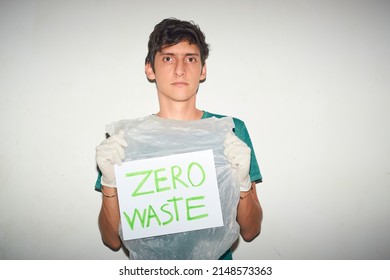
(169, 194)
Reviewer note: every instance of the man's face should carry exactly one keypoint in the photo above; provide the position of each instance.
(177, 71)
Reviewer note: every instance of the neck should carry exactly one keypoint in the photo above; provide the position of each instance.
(180, 113)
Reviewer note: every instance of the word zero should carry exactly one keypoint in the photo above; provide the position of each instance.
(195, 177)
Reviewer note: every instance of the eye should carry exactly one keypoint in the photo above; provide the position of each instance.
(191, 59)
(167, 59)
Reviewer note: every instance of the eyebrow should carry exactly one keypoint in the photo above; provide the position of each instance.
(186, 54)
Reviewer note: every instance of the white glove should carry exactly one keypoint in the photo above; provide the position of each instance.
(238, 154)
(108, 153)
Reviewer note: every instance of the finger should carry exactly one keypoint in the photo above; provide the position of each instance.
(117, 152)
(237, 148)
(121, 138)
(116, 157)
(104, 158)
(239, 158)
(230, 139)
(117, 139)
(110, 152)
(231, 145)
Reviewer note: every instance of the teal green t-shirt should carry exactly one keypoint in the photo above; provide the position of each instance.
(241, 131)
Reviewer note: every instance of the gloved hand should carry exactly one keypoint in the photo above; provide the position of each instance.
(238, 154)
(108, 153)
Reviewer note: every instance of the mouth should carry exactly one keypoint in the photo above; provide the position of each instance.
(180, 84)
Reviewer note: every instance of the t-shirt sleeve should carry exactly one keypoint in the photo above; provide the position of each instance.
(98, 185)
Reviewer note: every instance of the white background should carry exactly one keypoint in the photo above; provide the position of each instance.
(309, 78)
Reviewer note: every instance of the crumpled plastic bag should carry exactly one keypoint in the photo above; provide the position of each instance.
(153, 136)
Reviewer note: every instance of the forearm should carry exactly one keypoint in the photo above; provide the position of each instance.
(109, 220)
(249, 214)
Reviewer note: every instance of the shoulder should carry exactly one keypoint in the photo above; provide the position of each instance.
(239, 124)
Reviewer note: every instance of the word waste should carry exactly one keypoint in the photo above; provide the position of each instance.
(175, 208)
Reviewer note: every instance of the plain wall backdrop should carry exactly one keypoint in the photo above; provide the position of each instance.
(309, 78)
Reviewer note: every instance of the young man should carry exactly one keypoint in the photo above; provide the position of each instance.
(176, 63)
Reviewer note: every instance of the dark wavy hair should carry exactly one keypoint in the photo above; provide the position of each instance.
(172, 31)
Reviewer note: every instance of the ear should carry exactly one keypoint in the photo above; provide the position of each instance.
(203, 73)
(149, 72)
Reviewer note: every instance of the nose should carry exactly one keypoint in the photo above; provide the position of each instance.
(179, 69)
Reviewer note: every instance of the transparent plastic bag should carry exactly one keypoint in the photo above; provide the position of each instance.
(153, 136)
